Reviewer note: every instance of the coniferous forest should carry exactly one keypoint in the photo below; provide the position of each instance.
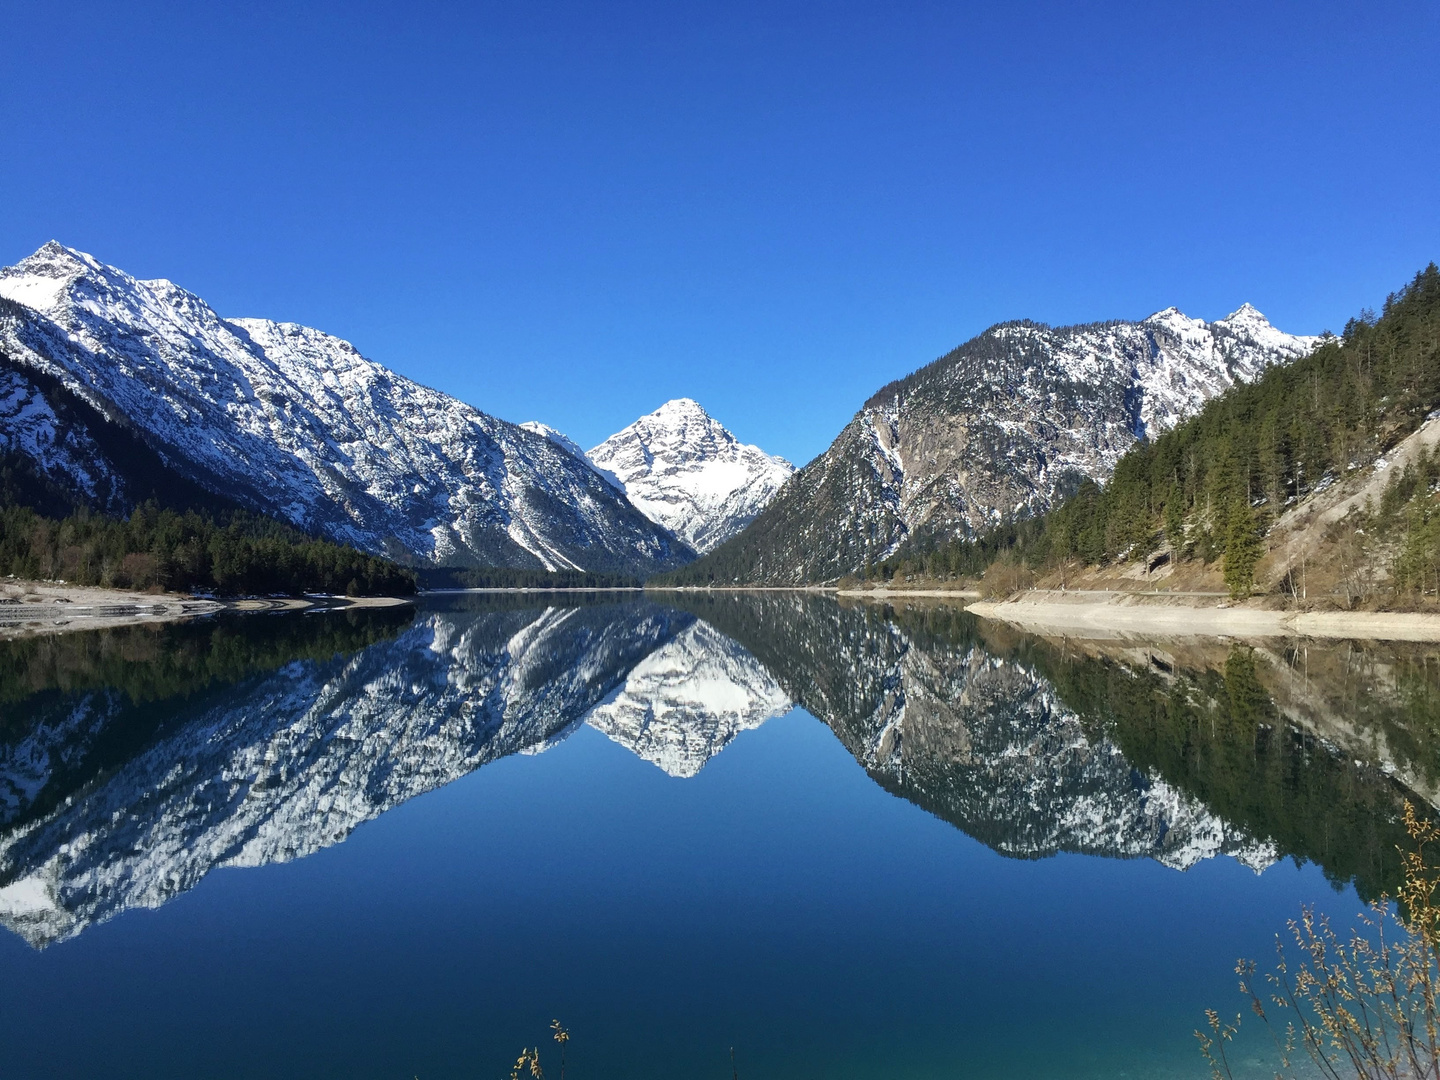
(234, 553)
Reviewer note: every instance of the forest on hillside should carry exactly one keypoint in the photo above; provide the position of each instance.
(231, 554)
(1212, 486)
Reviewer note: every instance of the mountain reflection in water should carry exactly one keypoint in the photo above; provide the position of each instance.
(134, 761)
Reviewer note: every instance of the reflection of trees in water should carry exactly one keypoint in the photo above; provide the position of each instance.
(1293, 747)
(1217, 733)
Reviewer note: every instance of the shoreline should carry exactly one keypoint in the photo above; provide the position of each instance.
(1128, 616)
(32, 608)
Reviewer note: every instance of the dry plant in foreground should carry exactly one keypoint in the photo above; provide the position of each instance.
(529, 1059)
(1358, 1007)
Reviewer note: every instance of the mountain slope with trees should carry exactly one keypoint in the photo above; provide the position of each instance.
(1260, 463)
(1000, 428)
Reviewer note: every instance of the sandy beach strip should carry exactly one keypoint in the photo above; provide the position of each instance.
(1118, 619)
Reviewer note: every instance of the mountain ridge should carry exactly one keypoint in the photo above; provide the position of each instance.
(297, 423)
(998, 428)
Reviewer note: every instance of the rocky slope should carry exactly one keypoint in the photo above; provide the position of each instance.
(994, 430)
(292, 422)
(686, 472)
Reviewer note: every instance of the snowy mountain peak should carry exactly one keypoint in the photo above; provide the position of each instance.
(40, 280)
(560, 439)
(682, 428)
(1246, 311)
(682, 469)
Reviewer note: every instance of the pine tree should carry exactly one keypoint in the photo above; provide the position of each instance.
(1242, 549)
(1175, 518)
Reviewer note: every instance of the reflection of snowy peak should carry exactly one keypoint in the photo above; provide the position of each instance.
(296, 423)
(683, 703)
(116, 798)
(684, 471)
(293, 761)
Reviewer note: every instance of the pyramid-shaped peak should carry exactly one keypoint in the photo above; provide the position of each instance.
(1246, 312)
(682, 407)
(40, 280)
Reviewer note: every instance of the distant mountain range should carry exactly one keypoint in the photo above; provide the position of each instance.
(115, 390)
(997, 429)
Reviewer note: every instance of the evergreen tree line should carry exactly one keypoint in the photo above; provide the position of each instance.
(232, 554)
(966, 557)
(1212, 485)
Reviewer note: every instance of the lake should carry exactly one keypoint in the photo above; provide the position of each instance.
(845, 840)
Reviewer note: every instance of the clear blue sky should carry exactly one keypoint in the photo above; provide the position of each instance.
(574, 211)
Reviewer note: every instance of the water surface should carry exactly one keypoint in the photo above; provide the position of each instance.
(847, 841)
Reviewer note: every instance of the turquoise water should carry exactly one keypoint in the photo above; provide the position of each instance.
(845, 842)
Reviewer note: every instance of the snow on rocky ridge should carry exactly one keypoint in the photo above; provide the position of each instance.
(297, 423)
(994, 430)
(685, 471)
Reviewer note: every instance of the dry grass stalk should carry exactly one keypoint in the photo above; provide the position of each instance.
(1362, 1006)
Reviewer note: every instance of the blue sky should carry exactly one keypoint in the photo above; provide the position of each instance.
(574, 211)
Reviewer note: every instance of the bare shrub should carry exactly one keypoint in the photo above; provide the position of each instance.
(1005, 578)
(1362, 1006)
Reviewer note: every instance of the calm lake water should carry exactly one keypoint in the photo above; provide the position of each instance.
(846, 841)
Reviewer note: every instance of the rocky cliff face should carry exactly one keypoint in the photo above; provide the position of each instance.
(295, 423)
(997, 429)
(686, 472)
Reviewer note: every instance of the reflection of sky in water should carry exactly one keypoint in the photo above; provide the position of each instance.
(777, 899)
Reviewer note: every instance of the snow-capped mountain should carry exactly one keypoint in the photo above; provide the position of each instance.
(293, 422)
(687, 700)
(995, 430)
(685, 471)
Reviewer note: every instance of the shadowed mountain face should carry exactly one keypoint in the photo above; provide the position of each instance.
(133, 762)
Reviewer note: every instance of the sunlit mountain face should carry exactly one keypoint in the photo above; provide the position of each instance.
(135, 761)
